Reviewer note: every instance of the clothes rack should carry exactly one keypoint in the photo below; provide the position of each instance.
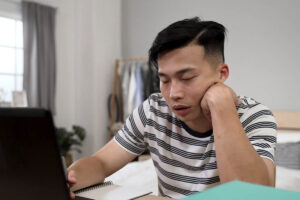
(117, 92)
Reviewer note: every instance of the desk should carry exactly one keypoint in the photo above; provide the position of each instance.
(152, 197)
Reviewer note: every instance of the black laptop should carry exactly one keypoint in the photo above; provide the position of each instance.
(30, 164)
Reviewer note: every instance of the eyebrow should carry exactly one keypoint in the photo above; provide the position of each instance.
(178, 73)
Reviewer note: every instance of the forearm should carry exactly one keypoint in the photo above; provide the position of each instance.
(94, 169)
(236, 157)
(87, 171)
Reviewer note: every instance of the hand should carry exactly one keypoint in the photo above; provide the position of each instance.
(219, 97)
(71, 181)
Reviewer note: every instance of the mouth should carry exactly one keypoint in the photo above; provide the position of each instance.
(181, 109)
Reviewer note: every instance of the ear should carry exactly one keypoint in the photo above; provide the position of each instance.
(223, 72)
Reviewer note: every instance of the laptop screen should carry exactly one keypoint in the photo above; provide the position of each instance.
(30, 164)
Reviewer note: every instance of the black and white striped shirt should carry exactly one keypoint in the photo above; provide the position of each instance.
(185, 161)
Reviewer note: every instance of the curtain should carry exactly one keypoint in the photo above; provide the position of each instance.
(39, 55)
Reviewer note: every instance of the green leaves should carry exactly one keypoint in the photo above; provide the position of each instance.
(68, 139)
(79, 131)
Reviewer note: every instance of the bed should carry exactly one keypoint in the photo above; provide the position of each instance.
(142, 173)
(287, 154)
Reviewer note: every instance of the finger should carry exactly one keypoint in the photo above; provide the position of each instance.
(72, 180)
(208, 115)
(72, 195)
(71, 173)
(205, 109)
(71, 177)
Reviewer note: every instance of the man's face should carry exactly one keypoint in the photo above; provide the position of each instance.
(184, 78)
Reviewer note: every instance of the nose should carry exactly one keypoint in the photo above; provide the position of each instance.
(176, 91)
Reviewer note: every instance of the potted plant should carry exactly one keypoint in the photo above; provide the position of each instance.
(70, 141)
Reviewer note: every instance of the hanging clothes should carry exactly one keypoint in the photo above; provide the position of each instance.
(138, 81)
(139, 92)
(131, 91)
(125, 79)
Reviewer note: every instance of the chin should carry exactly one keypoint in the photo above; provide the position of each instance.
(185, 118)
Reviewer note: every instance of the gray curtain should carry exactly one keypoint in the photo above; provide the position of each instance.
(39, 54)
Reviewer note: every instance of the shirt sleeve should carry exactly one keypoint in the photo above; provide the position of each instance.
(261, 129)
(131, 136)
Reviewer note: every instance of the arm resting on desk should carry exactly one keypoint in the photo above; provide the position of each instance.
(95, 168)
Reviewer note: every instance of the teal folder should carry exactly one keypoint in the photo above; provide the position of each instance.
(237, 190)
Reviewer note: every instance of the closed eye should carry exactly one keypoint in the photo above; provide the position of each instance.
(165, 81)
(188, 78)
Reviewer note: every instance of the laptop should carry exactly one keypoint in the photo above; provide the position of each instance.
(31, 167)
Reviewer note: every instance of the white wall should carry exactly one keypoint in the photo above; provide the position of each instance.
(10, 9)
(88, 42)
(262, 48)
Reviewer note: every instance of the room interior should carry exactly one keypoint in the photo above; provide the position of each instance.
(261, 50)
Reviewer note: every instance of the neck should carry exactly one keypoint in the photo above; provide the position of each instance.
(201, 125)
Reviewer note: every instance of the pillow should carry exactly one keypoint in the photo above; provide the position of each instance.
(288, 155)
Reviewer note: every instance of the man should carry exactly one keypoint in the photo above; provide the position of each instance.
(199, 133)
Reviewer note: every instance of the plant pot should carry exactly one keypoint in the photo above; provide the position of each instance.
(68, 159)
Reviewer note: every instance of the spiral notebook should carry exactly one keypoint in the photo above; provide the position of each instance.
(109, 191)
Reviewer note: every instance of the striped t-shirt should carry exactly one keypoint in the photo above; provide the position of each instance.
(185, 161)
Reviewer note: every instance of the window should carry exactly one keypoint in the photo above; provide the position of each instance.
(11, 58)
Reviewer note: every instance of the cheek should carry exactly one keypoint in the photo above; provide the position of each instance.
(166, 94)
(164, 91)
(197, 91)
(195, 94)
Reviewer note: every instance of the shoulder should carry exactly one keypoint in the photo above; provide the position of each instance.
(156, 97)
(254, 114)
(157, 101)
(250, 106)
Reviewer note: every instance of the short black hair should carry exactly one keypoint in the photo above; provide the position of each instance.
(209, 34)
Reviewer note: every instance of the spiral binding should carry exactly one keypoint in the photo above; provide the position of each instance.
(92, 187)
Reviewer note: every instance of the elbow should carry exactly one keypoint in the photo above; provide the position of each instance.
(263, 181)
(260, 180)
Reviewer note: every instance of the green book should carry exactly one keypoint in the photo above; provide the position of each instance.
(237, 190)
